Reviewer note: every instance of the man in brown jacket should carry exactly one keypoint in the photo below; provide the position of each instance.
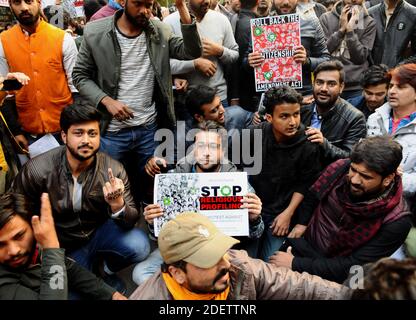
(199, 265)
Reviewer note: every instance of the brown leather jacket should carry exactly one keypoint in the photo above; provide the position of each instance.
(253, 279)
(49, 172)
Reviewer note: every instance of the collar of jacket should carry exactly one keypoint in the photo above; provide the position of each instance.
(151, 31)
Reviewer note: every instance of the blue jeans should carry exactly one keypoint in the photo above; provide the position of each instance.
(119, 247)
(145, 269)
(269, 243)
(138, 142)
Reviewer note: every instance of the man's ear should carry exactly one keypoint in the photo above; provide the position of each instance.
(63, 136)
(268, 117)
(177, 274)
(388, 180)
(199, 117)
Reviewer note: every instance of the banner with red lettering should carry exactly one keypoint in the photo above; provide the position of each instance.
(275, 38)
(216, 195)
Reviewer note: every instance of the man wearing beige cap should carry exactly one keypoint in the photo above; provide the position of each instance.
(199, 265)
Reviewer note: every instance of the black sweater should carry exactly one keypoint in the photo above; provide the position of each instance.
(287, 167)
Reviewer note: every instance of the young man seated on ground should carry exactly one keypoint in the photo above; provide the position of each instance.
(32, 264)
(199, 265)
(207, 157)
(290, 164)
(359, 213)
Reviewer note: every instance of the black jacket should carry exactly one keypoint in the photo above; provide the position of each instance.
(391, 45)
(286, 168)
(49, 172)
(34, 282)
(342, 126)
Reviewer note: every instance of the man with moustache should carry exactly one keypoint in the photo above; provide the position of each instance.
(123, 70)
(47, 55)
(359, 214)
(199, 265)
(89, 191)
(333, 123)
(33, 266)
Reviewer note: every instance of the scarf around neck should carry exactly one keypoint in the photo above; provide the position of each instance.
(181, 293)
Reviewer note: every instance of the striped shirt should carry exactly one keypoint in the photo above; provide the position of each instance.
(136, 84)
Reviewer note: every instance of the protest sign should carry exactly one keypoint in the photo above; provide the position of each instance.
(275, 38)
(216, 195)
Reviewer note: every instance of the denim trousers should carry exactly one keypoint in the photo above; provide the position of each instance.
(118, 247)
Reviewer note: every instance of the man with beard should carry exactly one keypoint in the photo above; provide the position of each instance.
(123, 70)
(47, 55)
(359, 214)
(199, 265)
(332, 122)
(219, 48)
(32, 264)
(90, 195)
(206, 157)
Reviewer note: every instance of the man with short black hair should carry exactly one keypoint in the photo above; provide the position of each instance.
(358, 213)
(375, 84)
(333, 123)
(290, 164)
(90, 195)
(199, 265)
(396, 31)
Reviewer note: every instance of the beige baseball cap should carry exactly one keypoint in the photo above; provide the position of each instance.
(193, 238)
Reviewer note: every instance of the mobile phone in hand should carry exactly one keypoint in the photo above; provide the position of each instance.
(11, 85)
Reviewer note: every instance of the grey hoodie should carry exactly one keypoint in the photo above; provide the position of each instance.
(359, 44)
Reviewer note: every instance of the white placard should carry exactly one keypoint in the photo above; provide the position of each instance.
(216, 195)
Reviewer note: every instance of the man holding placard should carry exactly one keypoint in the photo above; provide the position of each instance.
(208, 157)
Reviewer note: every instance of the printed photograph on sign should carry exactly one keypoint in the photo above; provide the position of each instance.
(218, 196)
(275, 38)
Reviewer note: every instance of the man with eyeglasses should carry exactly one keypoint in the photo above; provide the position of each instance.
(207, 156)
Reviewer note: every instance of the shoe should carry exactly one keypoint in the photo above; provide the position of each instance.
(116, 282)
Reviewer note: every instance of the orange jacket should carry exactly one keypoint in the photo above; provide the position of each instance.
(39, 55)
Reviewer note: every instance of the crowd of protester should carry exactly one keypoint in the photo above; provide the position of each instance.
(336, 189)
